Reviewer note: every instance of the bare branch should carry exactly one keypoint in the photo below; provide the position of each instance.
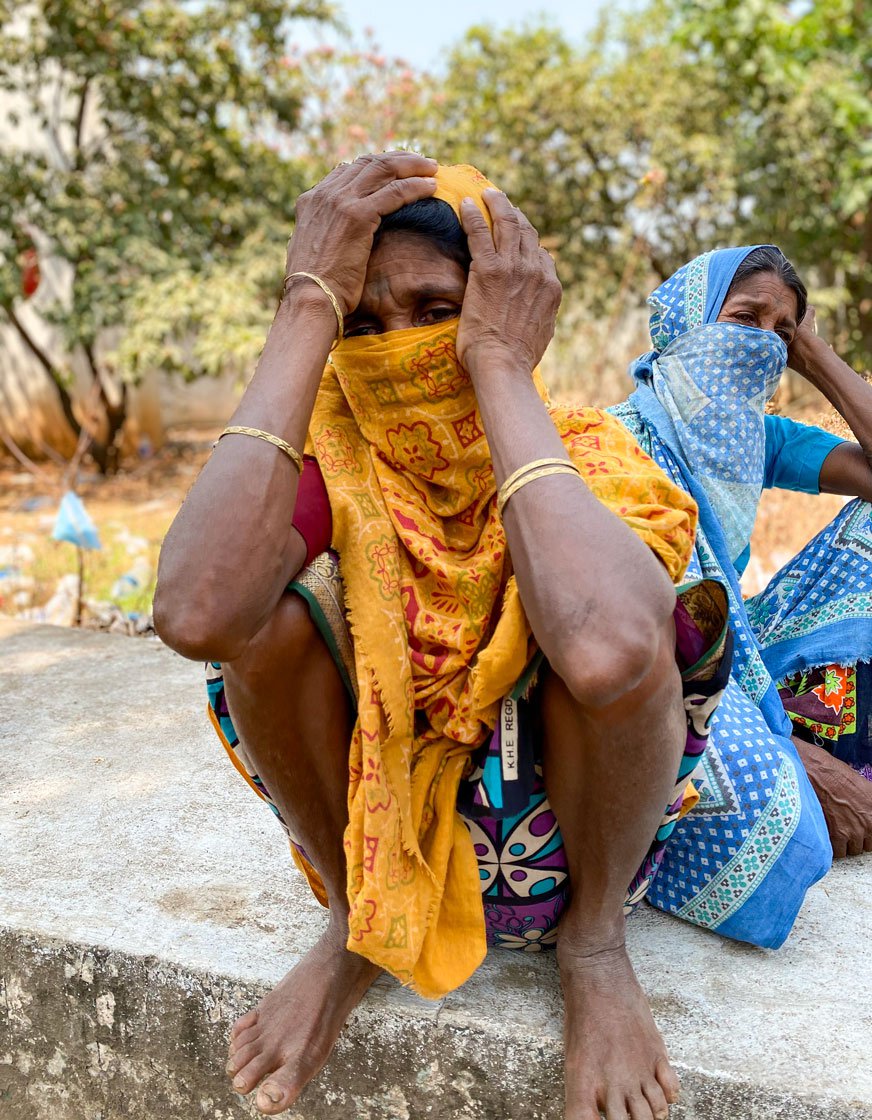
(80, 123)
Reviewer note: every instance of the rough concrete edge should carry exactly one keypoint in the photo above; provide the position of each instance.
(89, 1033)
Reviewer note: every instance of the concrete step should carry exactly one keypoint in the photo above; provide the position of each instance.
(147, 899)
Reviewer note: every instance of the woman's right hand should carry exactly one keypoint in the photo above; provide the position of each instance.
(336, 219)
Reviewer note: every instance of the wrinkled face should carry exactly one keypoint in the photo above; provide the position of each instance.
(764, 301)
(409, 283)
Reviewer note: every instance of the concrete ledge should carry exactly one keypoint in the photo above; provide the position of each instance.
(146, 899)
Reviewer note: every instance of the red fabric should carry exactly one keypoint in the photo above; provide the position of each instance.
(30, 275)
(312, 517)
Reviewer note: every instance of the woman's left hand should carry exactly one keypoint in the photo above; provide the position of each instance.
(513, 293)
(806, 343)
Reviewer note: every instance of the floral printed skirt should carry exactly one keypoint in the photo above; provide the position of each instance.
(832, 706)
(522, 863)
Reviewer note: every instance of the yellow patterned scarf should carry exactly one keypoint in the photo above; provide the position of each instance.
(439, 632)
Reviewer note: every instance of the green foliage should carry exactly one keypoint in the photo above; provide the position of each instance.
(204, 321)
(358, 100)
(173, 137)
(798, 83)
(612, 150)
(677, 127)
(149, 146)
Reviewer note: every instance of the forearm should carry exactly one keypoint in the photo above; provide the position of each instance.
(231, 549)
(594, 594)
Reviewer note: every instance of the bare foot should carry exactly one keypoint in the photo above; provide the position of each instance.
(616, 1061)
(845, 797)
(289, 1036)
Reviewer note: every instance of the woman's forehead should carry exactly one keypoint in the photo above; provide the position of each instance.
(765, 288)
(416, 261)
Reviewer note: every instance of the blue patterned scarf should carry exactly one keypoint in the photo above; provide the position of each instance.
(712, 381)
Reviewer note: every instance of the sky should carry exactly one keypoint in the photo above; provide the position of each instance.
(421, 33)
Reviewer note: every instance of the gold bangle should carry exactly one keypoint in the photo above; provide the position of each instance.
(328, 293)
(294, 455)
(506, 492)
(533, 465)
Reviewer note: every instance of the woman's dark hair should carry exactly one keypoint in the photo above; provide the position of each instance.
(768, 258)
(431, 218)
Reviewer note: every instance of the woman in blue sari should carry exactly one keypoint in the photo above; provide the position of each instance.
(782, 786)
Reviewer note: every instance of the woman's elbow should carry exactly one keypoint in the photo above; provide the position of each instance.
(192, 630)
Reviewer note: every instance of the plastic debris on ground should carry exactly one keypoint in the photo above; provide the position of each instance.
(73, 523)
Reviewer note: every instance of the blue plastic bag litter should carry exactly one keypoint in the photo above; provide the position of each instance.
(73, 523)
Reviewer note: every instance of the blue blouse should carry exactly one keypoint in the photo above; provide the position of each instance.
(795, 454)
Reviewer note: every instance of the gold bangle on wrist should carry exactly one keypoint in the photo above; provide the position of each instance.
(294, 455)
(533, 465)
(530, 472)
(328, 293)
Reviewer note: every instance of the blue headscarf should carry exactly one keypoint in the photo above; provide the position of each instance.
(711, 382)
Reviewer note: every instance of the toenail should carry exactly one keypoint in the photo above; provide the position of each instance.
(273, 1092)
(230, 1069)
(239, 1082)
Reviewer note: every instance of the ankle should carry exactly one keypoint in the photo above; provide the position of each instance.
(577, 941)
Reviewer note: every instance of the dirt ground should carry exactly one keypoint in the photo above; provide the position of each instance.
(131, 513)
(133, 510)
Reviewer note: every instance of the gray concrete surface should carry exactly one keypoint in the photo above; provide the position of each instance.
(146, 898)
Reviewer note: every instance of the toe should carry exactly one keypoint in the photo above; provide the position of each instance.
(243, 1023)
(656, 1100)
(273, 1097)
(668, 1080)
(616, 1106)
(238, 1063)
(638, 1107)
(243, 1039)
(245, 1081)
(583, 1112)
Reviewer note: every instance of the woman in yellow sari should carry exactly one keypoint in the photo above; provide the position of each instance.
(491, 547)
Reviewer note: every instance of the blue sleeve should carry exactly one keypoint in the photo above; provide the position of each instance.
(795, 454)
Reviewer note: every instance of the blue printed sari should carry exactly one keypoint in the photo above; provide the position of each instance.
(743, 860)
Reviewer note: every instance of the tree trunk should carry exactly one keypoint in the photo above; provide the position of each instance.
(49, 368)
(106, 455)
(116, 414)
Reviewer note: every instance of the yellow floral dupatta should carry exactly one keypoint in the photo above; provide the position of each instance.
(439, 632)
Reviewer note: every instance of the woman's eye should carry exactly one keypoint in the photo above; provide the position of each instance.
(440, 313)
(355, 330)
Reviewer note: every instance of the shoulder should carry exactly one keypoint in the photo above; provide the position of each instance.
(588, 431)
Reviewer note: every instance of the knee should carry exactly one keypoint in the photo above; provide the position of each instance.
(289, 643)
(639, 665)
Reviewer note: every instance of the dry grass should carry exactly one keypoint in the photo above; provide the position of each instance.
(132, 513)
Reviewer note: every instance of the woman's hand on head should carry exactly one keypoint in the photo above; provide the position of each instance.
(806, 342)
(513, 293)
(336, 219)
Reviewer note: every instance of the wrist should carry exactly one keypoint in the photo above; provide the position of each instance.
(304, 299)
(492, 359)
(808, 354)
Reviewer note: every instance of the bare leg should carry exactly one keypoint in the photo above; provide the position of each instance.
(290, 710)
(610, 773)
(845, 797)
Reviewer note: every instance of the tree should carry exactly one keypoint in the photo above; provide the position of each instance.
(677, 127)
(213, 318)
(594, 144)
(158, 123)
(798, 83)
